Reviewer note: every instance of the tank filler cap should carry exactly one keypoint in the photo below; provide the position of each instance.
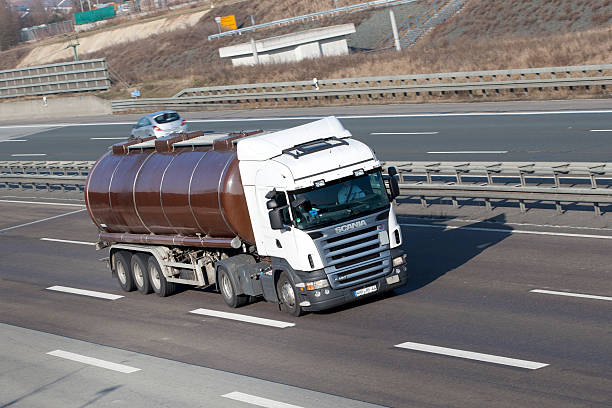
(236, 243)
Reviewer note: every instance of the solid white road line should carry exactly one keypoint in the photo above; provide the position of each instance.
(66, 241)
(508, 231)
(405, 133)
(94, 361)
(489, 358)
(46, 198)
(41, 203)
(520, 224)
(28, 154)
(243, 318)
(43, 220)
(600, 130)
(108, 138)
(472, 152)
(578, 295)
(84, 292)
(259, 401)
(413, 115)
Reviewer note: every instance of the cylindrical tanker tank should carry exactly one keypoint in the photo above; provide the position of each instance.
(178, 190)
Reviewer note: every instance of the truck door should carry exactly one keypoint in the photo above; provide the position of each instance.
(279, 243)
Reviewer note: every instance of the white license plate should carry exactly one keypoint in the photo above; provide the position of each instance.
(365, 291)
(392, 279)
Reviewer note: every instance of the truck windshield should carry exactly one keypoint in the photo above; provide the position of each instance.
(339, 201)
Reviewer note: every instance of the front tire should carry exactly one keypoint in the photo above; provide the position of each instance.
(158, 281)
(287, 296)
(226, 286)
(122, 267)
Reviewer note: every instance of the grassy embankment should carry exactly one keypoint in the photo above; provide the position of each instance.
(488, 34)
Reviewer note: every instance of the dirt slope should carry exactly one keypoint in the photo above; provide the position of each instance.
(46, 54)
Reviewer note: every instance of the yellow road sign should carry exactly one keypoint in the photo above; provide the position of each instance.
(229, 22)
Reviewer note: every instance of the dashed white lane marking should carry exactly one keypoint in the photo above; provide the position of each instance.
(107, 138)
(84, 292)
(28, 154)
(94, 361)
(43, 220)
(405, 133)
(12, 140)
(472, 152)
(259, 401)
(42, 203)
(470, 355)
(67, 241)
(509, 231)
(570, 294)
(600, 130)
(243, 318)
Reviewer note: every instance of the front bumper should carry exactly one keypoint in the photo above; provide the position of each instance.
(337, 297)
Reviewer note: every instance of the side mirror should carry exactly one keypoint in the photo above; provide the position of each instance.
(393, 183)
(276, 221)
(271, 204)
(394, 187)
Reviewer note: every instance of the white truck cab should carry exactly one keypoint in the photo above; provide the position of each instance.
(320, 211)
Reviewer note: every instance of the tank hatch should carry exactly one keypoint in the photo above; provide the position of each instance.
(229, 142)
(123, 147)
(165, 144)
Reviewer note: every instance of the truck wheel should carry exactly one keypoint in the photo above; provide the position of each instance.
(287, 295)
(158, 281)
(228, 290)
(121, 266)
(140, 273)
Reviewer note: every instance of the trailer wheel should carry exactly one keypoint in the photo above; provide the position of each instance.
(140, 273)
(287, 296)
(121, 266)
(158, 281)
(228, 290)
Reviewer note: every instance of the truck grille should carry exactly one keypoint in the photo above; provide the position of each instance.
(355, 257)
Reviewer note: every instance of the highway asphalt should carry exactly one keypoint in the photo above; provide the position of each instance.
(545, 131)
(493, 289)
(503, 309)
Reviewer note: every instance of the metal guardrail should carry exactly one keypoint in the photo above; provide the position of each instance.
(62, 167)
(77, 76)
(50, 175)
(312, 16)
(391, 87)
(537, 181)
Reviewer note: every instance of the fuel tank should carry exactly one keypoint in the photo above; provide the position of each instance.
(169, 189)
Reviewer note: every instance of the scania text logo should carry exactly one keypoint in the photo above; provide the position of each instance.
(352, 225)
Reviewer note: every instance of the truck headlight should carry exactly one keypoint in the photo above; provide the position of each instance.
(397, 261)
(323, 283)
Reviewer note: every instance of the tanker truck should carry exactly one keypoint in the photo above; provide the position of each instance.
(301, 217)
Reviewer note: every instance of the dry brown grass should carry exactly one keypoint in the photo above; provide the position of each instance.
(488, 34)
(202, 67)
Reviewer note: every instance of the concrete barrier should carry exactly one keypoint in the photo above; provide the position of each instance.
(55, 108)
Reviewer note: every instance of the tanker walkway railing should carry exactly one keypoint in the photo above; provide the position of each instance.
(387, 87)
(523, 182)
